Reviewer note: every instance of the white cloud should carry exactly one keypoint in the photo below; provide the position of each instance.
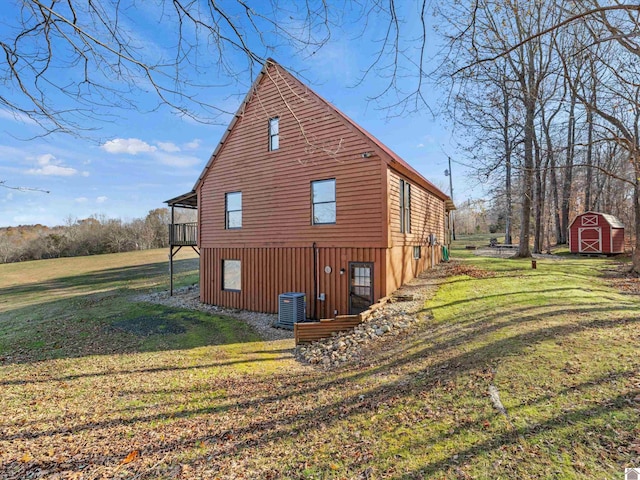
(420, 145)
(168, 147)
(85, 174)
(81, 199)
(41, 217)
(53, 170)
(9, 196)
(50, 166)
(47, 159)
(176, 160)
(101, 199)
(16, 116)
(131, 146)
(193, 144)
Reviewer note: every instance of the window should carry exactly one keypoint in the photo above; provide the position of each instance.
(233, 210)
(405, 207)
(323, 198)
(417, 252)
(231, 275)
(274, 133)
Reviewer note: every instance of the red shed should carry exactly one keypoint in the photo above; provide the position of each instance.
(594, 232)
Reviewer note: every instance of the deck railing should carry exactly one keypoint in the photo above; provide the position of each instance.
(183, 234)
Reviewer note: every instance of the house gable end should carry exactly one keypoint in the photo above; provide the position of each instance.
(314, 144)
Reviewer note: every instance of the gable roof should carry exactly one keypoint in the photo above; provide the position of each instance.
(386, 154)
(611, 220)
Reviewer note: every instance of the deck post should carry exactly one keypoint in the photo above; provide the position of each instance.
(182, 234)
(171, 251)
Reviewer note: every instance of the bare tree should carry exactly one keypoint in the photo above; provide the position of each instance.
(107, 62)
(490, 27)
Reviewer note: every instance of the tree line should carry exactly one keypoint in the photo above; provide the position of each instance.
(90, 236)
(547, 98)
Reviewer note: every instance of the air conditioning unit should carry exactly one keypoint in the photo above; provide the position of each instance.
(291, 309)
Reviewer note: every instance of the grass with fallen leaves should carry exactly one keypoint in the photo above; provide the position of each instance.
(558, 343)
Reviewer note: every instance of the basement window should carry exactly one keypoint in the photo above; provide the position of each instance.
(231, 275)
(417, 252)
(274, 133)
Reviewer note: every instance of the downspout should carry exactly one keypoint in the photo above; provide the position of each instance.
(315, 281)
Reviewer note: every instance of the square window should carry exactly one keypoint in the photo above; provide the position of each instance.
(231, 275)
(233, 210)
(274, 133)
(323, 200)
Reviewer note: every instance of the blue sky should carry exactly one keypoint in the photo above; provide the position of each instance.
(140, 158)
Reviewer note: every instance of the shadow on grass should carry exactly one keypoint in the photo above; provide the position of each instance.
(106, 324)
(416, 373)
(99, 280)
(282, 408)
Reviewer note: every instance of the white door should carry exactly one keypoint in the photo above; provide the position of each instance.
(590, 240)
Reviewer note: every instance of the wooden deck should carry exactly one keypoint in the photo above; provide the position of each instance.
(183, 234)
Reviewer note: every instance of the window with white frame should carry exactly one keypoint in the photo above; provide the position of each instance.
(323, 201)
(233, 210)
(274, 133)
(231, 275)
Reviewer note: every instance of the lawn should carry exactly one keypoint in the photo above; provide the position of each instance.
(197, 397)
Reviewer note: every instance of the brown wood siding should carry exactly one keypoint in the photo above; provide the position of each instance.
(267, 272)
(427, 213)
(312, 331)
(402, 267)
(276, 185)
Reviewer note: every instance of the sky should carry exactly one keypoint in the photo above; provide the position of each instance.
(142, 156)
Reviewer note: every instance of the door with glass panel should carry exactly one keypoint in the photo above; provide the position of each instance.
(360, 287)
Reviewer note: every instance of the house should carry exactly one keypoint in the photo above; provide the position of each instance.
(594, 232)
(299, 198)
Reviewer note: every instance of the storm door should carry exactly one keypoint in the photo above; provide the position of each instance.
(360, 287)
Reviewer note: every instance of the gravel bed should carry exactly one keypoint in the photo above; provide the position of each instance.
(189, 298)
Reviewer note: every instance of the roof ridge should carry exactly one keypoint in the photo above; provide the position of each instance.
(392, 159)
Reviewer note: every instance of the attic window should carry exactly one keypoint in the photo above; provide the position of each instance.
(274, 133)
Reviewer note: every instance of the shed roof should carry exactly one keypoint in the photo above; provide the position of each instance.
(611, 220)
(387, 155)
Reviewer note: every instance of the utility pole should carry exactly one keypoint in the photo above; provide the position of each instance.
(448, 173)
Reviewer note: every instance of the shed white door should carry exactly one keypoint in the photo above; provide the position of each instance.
(590, 240)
